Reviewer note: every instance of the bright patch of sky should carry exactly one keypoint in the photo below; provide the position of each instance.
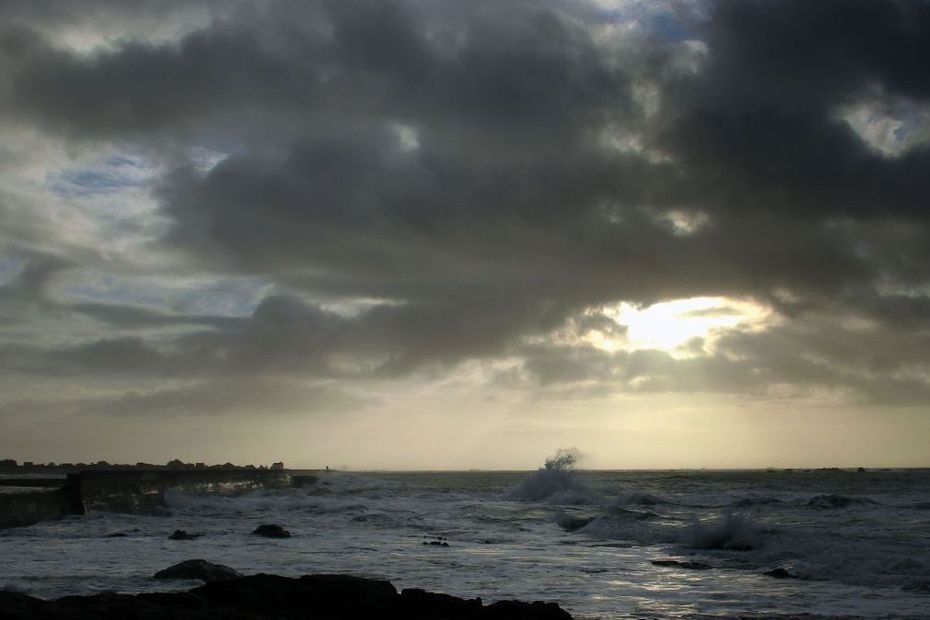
(204, 160)
(108, 205)
(100, 33)
(889, 126)
(114, 175)
(684, 223)
(669, 325)
(408, 137)
(228, 297)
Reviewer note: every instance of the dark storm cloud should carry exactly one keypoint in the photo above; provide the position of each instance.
(453, 164)
(758, 127)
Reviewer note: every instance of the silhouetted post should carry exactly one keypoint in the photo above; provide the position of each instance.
(73, 495)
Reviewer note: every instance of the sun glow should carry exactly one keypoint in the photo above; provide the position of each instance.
(669, 325)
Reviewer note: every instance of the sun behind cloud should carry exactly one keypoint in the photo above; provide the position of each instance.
(669, 325)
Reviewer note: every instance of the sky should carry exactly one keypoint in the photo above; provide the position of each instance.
(433, 234)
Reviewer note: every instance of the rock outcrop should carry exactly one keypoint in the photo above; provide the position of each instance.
(198, 569)
(270, 530)
(322, 597)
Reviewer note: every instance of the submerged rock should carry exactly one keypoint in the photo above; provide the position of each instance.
(182, 535)
(571, 523)
(679, 564)
(198, 569)
(270, 530)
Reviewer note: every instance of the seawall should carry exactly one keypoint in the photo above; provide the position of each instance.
(131, 491)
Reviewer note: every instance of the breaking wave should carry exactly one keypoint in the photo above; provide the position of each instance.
(556, 482)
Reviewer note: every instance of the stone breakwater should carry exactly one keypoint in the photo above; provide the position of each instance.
(25, 506)
(322, 597)
(25, 501)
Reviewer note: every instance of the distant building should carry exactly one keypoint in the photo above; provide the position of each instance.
(279, 466)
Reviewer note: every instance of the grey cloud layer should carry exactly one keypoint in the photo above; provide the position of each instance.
(453, 162)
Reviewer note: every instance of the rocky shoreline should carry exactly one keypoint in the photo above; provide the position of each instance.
(320, 597)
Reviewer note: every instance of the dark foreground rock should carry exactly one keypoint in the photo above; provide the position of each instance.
(198, 569)
(321, 597)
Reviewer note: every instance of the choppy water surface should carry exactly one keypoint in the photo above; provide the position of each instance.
(858, 543)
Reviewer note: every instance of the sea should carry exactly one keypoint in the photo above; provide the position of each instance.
(603, 544)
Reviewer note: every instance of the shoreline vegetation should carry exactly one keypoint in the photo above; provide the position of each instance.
(322, 597)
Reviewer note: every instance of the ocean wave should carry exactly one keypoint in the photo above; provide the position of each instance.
(628, 527)
(734, 532)
(833, 501)
(641, 499)
(749, 502)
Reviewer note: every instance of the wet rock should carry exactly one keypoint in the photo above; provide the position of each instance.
(679, 564)
(21, 605)
(348, 586)
(517, 610)
(436, 543)
(182, 535)
(198, 569)
(270, 530)
(418, 603)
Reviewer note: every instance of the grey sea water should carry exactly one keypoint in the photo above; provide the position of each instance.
(852, 544)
